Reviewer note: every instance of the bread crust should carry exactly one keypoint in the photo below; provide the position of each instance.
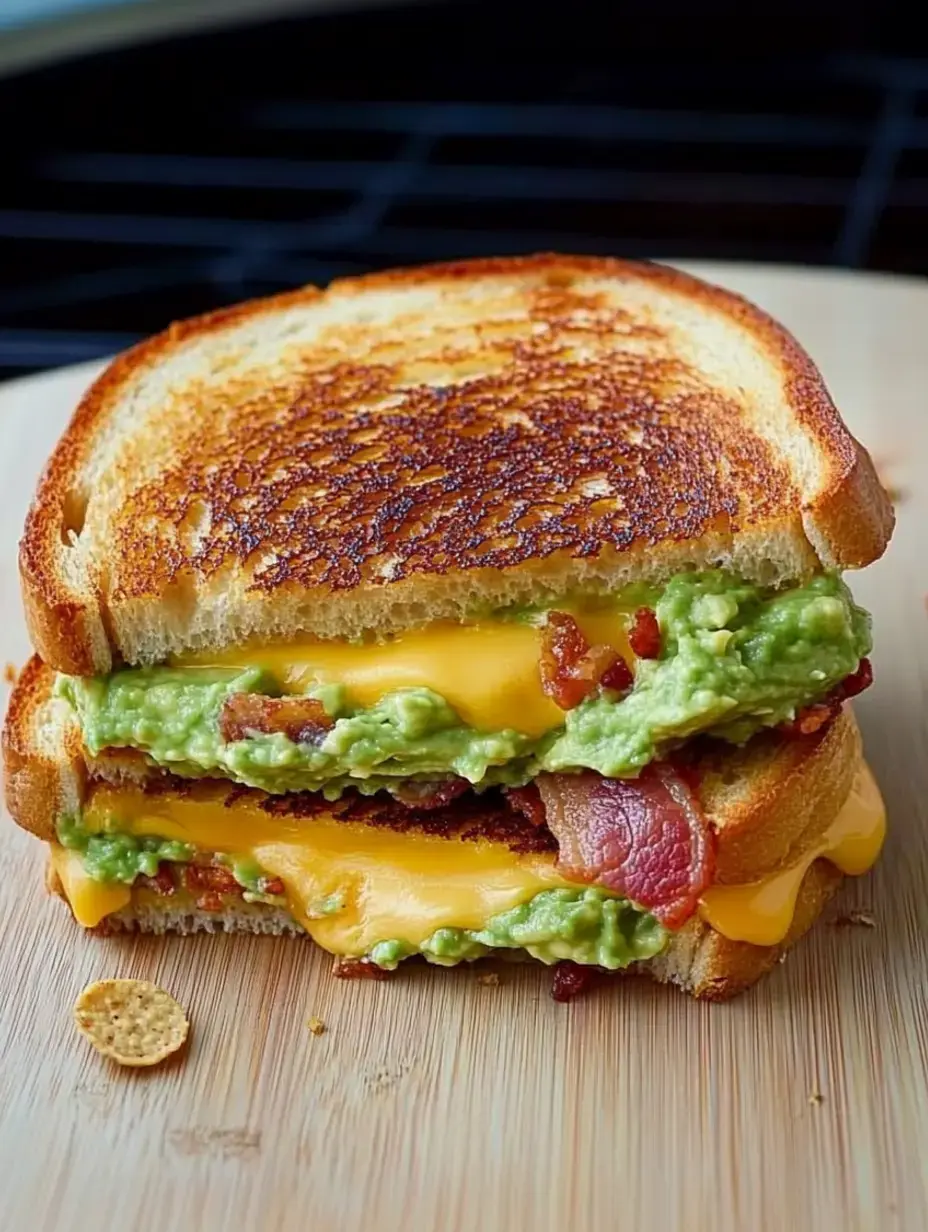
(579, 444)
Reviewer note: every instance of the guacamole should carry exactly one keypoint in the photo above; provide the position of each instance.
(121, 857)
(586, 925)
(734, 658)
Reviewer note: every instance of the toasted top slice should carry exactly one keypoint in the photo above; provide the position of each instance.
(769, 801)
(419, 444)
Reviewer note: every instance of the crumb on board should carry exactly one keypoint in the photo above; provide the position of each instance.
(9, 673)
(488, 978)
(859, 919)
(816, 1097)
(316, 1025)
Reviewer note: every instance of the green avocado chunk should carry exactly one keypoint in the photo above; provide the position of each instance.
(586, 925)
(110, 856)
(734, 658)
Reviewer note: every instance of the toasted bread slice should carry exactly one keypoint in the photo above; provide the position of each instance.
(423, 443)
(769, 801)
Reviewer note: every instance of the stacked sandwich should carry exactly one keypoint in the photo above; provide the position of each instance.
(485, 607)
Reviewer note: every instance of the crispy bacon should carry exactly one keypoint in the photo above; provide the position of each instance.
(572, 669)
(618, 677)
(571, 979)
(429, 795)
(359, 969)
(274, 885)
(211, 877)
(813, 718)
(303, 719)
(646, 838)
(528, 802)
(162, 882)
(210, 901)
(645, 634)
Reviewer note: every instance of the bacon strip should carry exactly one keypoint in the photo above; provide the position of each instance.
(572, 669)
(303, 719)
(645, 838)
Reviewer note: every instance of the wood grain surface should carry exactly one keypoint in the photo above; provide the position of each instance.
(436, 1102)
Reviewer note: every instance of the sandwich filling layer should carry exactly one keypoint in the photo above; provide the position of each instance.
(382, 894)
(586, 684)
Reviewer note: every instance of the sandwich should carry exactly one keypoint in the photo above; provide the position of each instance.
(494, 607)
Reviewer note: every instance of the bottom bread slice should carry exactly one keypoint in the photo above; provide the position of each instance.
(698, 959)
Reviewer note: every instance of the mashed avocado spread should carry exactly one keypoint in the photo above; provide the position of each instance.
(734, 658)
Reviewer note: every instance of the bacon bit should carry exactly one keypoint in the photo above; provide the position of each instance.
(211, 877)
(429, 795)
(162, 882)
(359, 969)
(274, 885)
(645, 635)
(572, 669)
(528, 802)
(571, 979)
(813, 718)
(619, 677)
(646, 838)
(210, 901)
(862, 679)
(303, 719)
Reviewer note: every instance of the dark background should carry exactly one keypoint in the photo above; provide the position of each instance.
(149, 183)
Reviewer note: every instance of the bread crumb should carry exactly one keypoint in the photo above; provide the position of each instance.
(9, 673)
(816, 1098)
(862, 919)
(316, 1025)
(488, 978)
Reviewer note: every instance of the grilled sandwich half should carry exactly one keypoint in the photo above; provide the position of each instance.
(491, 605)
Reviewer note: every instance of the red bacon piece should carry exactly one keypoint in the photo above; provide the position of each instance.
(274, 885)
(645, 634)
(813, 718)
(572, 669)
(162, 882)
(359, 969)
(571, 980)
(528, 802)
(213, 878)
(429, 795)
(303, 719)
(645, 838)
(618, 677)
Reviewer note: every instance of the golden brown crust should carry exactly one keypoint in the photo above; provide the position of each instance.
(576, 430)
(773, 798)
(40, 784)
(717, 968)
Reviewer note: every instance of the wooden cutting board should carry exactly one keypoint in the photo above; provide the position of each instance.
(436, 1102)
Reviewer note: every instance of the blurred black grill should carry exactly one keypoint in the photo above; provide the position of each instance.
(149, 184)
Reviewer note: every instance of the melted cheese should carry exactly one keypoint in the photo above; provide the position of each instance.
(396, 885)
(390, 884)
(762, 912)
(488, 671)
(91, 901)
